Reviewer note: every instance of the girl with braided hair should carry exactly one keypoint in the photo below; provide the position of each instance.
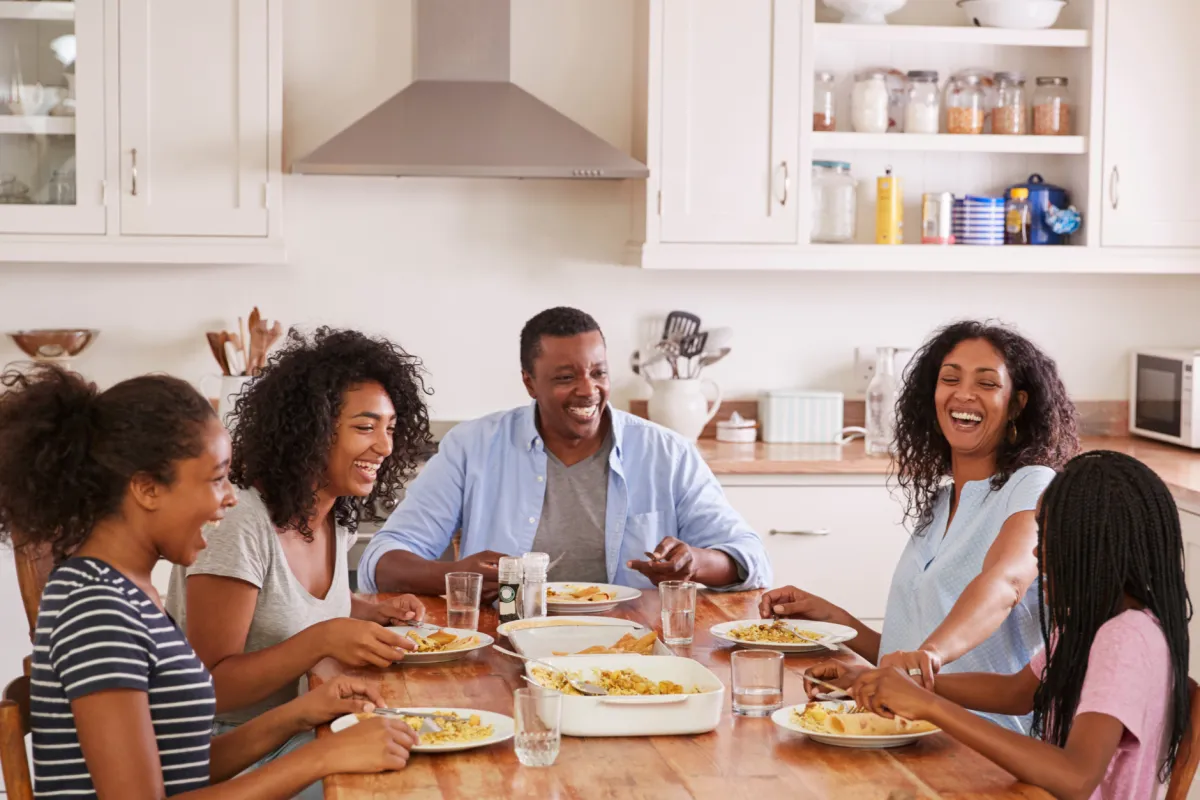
(1110, 700)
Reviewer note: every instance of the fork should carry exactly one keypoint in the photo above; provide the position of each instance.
(428, 721)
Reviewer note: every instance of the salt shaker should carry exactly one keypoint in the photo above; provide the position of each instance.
(533, 584)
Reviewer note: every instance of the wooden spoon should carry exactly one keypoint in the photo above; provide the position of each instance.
(216, 343)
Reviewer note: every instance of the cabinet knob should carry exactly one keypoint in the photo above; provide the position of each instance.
(813, 532)
(1114, 185)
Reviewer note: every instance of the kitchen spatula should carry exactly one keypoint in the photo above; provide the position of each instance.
(680, 325)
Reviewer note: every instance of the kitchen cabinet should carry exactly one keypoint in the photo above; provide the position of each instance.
(730, 114)
(1150, 120)
(1190, 525)
(838, 537)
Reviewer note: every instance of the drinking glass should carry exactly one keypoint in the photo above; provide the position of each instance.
(462, 600)
(757, 682)
(678, 611)
(537, 713)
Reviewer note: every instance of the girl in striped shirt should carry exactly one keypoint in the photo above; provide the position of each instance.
(121, 706)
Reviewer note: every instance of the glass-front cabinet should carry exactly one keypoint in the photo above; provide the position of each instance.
(52, 117)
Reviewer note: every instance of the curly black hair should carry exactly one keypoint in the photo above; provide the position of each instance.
(1047, 428)
(559, 321)
(68, 451)
(285, 420)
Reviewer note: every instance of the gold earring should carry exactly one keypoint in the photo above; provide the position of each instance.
(1012, 431)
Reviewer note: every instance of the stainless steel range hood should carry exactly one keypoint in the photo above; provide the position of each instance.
(463, 117)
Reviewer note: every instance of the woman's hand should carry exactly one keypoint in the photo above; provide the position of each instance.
(889, 692)
(360, 643)
(378, 744)
(396, 610)
(919, 665)
(832, 672)
(332, 699)
(788, 601)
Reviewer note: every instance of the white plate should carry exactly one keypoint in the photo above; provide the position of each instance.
(438, 658)
(565, 621)
(623, 594)
(502, 728)
(546, 642)
(783, 718)
(830, 634)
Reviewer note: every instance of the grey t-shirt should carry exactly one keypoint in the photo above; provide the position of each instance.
(573, 514)
(246, 546)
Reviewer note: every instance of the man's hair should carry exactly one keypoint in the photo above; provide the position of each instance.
(561, 322)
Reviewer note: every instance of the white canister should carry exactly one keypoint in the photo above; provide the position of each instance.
(801, 416)
(680, 404)
(737, 429)
(869, 102)
(228, 388)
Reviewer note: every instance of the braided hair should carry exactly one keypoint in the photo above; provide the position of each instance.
(1107, 528)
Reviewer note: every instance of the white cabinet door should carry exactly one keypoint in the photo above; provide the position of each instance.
(839, 542)
(730, 121)
(194, 117)
(1151, 117)
(1190, 523)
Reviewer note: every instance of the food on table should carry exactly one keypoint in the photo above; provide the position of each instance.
(454, 728)
(777, 632)
(628, 643)
(441, 642)
(616, 681)
(855, 721)
(579, 594)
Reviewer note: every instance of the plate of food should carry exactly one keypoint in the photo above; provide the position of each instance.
(586, 598)
(435, 645)
(785, 635)
(842, 723)
(461, 728)
(586, 640)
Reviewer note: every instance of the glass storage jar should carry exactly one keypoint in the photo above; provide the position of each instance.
(922, 102)
(1052, 107)
(835, 202)
(824, 102)
(1010, 117)
(966, 104)
(869, 101)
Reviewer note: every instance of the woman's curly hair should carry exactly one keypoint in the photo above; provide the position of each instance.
(1047, 432)
(285, 421)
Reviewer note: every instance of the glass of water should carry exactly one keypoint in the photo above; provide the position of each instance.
(678, 600)
(463, 590)
(757, 682)
(537, 713)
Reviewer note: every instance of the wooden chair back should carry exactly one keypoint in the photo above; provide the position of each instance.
(14, 727)
(1189, 750)
(34, 565)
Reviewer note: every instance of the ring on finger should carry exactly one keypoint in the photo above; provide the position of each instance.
(914, 671)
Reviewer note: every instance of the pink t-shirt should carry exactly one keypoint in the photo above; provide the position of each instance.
(1128, 678)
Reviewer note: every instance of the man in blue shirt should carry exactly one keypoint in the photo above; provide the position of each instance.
(621, 499)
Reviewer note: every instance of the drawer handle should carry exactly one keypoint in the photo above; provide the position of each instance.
(815, 532)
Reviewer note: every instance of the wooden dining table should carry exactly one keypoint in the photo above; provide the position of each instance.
(743, 758)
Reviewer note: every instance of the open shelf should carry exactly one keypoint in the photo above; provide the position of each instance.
(53, 10)
(950, 143)
(1004, 37)
(59, 126)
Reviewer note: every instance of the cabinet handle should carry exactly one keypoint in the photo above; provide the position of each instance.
(133, 152)
(787, 182)
(1114, 184)
(813, 532)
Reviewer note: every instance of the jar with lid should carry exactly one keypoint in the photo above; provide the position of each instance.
(922, 106)
(966, 104)
(1010, 117)
(835, 202)
(824, 102)
(1052, 107)
(869, 101)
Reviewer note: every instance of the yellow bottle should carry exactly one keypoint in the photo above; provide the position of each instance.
(889, 210)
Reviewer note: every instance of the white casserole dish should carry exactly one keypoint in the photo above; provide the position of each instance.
(545, 642)
(651, 715)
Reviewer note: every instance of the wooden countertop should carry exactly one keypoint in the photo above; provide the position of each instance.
(1177, 466)
(742, 758)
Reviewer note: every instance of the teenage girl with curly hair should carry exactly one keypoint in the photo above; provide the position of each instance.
(333, 423)
(982, 423)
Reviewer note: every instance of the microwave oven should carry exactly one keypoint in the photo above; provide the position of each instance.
(1163, 401)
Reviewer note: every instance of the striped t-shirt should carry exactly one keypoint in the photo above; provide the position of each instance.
(96, 631)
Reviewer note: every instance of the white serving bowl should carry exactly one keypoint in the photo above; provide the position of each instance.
(865, 12)
(1018, 14)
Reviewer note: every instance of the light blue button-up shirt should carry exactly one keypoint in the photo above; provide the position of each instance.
(489, 479)
(937, 565)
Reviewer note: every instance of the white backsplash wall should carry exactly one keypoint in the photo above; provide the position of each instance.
(452, 268)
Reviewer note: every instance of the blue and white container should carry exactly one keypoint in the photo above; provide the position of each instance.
(797, 416)
(978, 220)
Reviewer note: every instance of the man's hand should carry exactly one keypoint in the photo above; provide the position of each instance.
(487, 564)
(673, 561)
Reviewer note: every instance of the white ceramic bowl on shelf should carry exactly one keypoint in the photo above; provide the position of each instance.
(865, 12)
(1016, 14)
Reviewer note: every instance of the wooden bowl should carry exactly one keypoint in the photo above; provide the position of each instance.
(54, 343)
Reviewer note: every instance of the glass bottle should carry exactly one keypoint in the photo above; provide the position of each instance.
(1011, 115)
(869, 102)
(881, 403)
(835, 202)
(1016, 217)
(824, 99)
(922, 109)
(966, 104)
(510, 587)
(533, 584)
(1052, 107)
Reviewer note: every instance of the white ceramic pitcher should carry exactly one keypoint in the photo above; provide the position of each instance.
(680, 405)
